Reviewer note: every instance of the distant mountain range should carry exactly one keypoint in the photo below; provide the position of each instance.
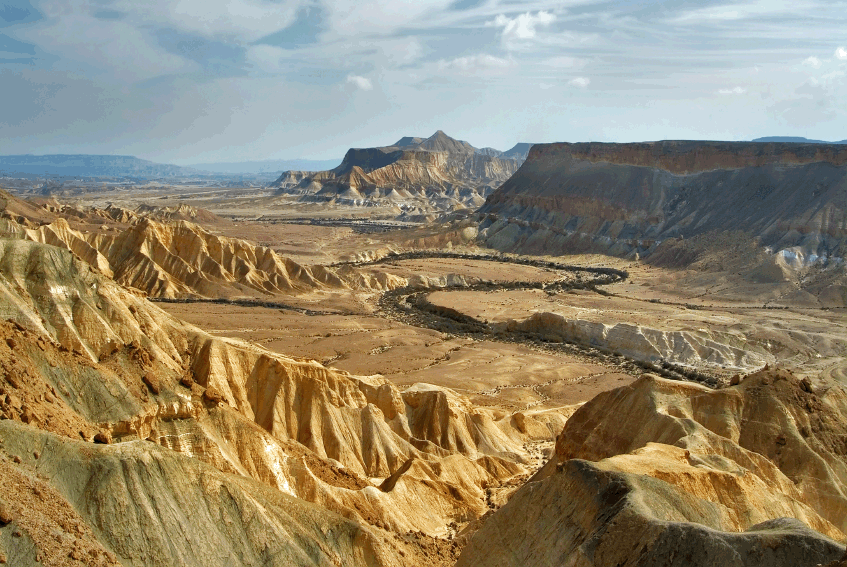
(84, 165)
(92, 165)
(795, 140)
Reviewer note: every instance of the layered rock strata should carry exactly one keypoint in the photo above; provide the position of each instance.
(85, 359)
(417, 175)
(175, 258)
(669, 473)
(671, 200)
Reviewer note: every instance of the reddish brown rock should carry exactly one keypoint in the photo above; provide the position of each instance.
(103, 437)
(152, 382)
(212, 395)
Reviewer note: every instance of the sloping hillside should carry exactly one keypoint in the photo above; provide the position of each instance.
(85, 360)
(171, 257)
(772, 211)
(666, 473)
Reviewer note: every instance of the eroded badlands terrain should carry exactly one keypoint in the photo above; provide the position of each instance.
(192, 377)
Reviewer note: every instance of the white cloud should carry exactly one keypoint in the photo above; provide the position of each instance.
(733, 91)
(401, 51)
(581, 82)
(709, 15)
(813, 62)
(119, 48)
(814, 102)
(128, 47)
(521, 28)
(246, 20)
(743, 11)
(353, 18)
(841, 53)
(360, 82)
(475, 63)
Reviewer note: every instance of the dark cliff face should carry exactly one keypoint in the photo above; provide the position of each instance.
(629, 198)
(686, 157)
(367, 159)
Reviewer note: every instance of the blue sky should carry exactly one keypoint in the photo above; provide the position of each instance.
(188, 81)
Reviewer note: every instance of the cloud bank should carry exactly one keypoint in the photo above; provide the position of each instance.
(192, 81)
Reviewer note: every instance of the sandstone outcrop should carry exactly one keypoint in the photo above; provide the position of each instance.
(699, 349)
(136, 503)
(87, 359)
(669, 473)
(416, 175)
(175, 258)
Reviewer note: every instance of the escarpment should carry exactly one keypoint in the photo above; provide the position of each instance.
(669, 473)
(669, 202)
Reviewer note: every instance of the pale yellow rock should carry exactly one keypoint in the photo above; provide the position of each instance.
(663, 472)
(292, 424)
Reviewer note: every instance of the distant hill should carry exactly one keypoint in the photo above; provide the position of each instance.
(519, 152)
(84, 165)
(407, 141)
(795, 140)
(441, 142)
(274, 166)
(414, 175)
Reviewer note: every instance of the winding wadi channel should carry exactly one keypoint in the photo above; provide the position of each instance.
(411, 305)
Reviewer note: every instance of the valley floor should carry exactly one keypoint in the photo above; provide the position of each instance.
(338, 403)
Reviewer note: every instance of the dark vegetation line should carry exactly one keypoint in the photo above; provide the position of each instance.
(246, 303)
(410, 305)
(618, 275)
(360, 226)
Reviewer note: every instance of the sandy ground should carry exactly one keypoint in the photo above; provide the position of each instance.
(352, 337)
(807, 340)
(367, 344)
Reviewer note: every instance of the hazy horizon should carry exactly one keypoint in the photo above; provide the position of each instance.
(186, 82)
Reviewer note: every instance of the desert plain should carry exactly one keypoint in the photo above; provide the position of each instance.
(405, 381)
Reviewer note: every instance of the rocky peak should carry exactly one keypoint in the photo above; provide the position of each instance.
(407, 142)
(441, 142)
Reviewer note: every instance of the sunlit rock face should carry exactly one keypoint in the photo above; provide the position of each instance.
(438, 173)
(163, 253)
(699, 349)
(220, 425)
(671, 473)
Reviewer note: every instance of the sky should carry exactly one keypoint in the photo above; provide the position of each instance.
(192, 81)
